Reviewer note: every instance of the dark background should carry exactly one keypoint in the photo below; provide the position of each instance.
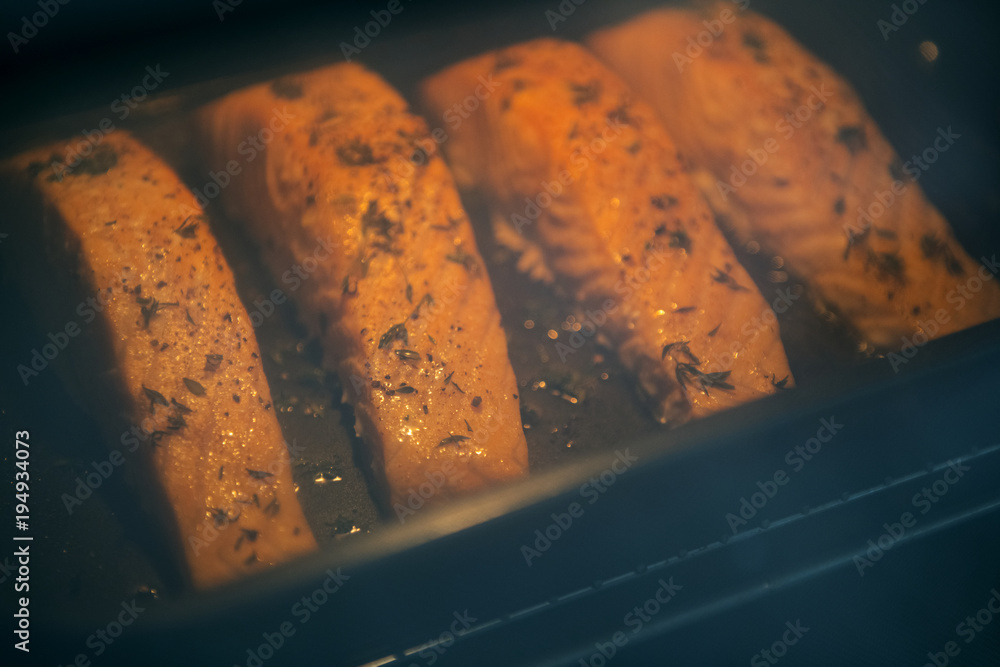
(405, 589)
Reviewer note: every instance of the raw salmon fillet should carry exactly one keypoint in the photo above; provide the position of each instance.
(583, 179)
(167, 355)
(793, 160)
(357, 213)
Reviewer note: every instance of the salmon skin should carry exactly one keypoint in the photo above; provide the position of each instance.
(792, 159)
(352, 191)
(166, 353)
(585, 182)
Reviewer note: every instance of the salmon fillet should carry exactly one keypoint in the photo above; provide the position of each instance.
(351, 202)
(168, 357)
(793, 160)
(584, 180)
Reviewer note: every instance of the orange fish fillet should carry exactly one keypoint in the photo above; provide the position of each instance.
(350, 202)
(584, 180)
(795, 162)
(166, 344)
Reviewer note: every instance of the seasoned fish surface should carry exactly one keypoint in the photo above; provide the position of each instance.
(584, 180)
(796, 164)
(178, 359)
(359, 215)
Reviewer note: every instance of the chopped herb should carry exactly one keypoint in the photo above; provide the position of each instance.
(150, 307)
(455, 385)
(620, 114)
(408, 355)
(584, 93)
(780, 384)
(687, 373)
(896, 169)
(356, 154)
(477, 401)
(839, 206)
(35, 168)
(715, 330)
(889, 265)
(154, 397)
(406, 390)
(286, 88)
(212, 362)
(504, 61)
(933, 248)
(723, 277)
(251, 559)
(259, 474)
(429, 300)
(175, 422)
(855, 239)
(221, 516)
(395, 332)
(374, 221)
(272, 507)
(251, 534)
(753, 40)
(853, 137)
(100, 161)
(663, 202)
(452, 439)
(448, 379)
(236, 397)
(108, 224)
(187, 313)
(680, 239)
(409, 292)
(681, 347)
(220, 471)
(467, 426)
(463, 258)
(885, 233)
(187, 230)
(685, 309)
(425, 408)
(194, 387)
(183, 409)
